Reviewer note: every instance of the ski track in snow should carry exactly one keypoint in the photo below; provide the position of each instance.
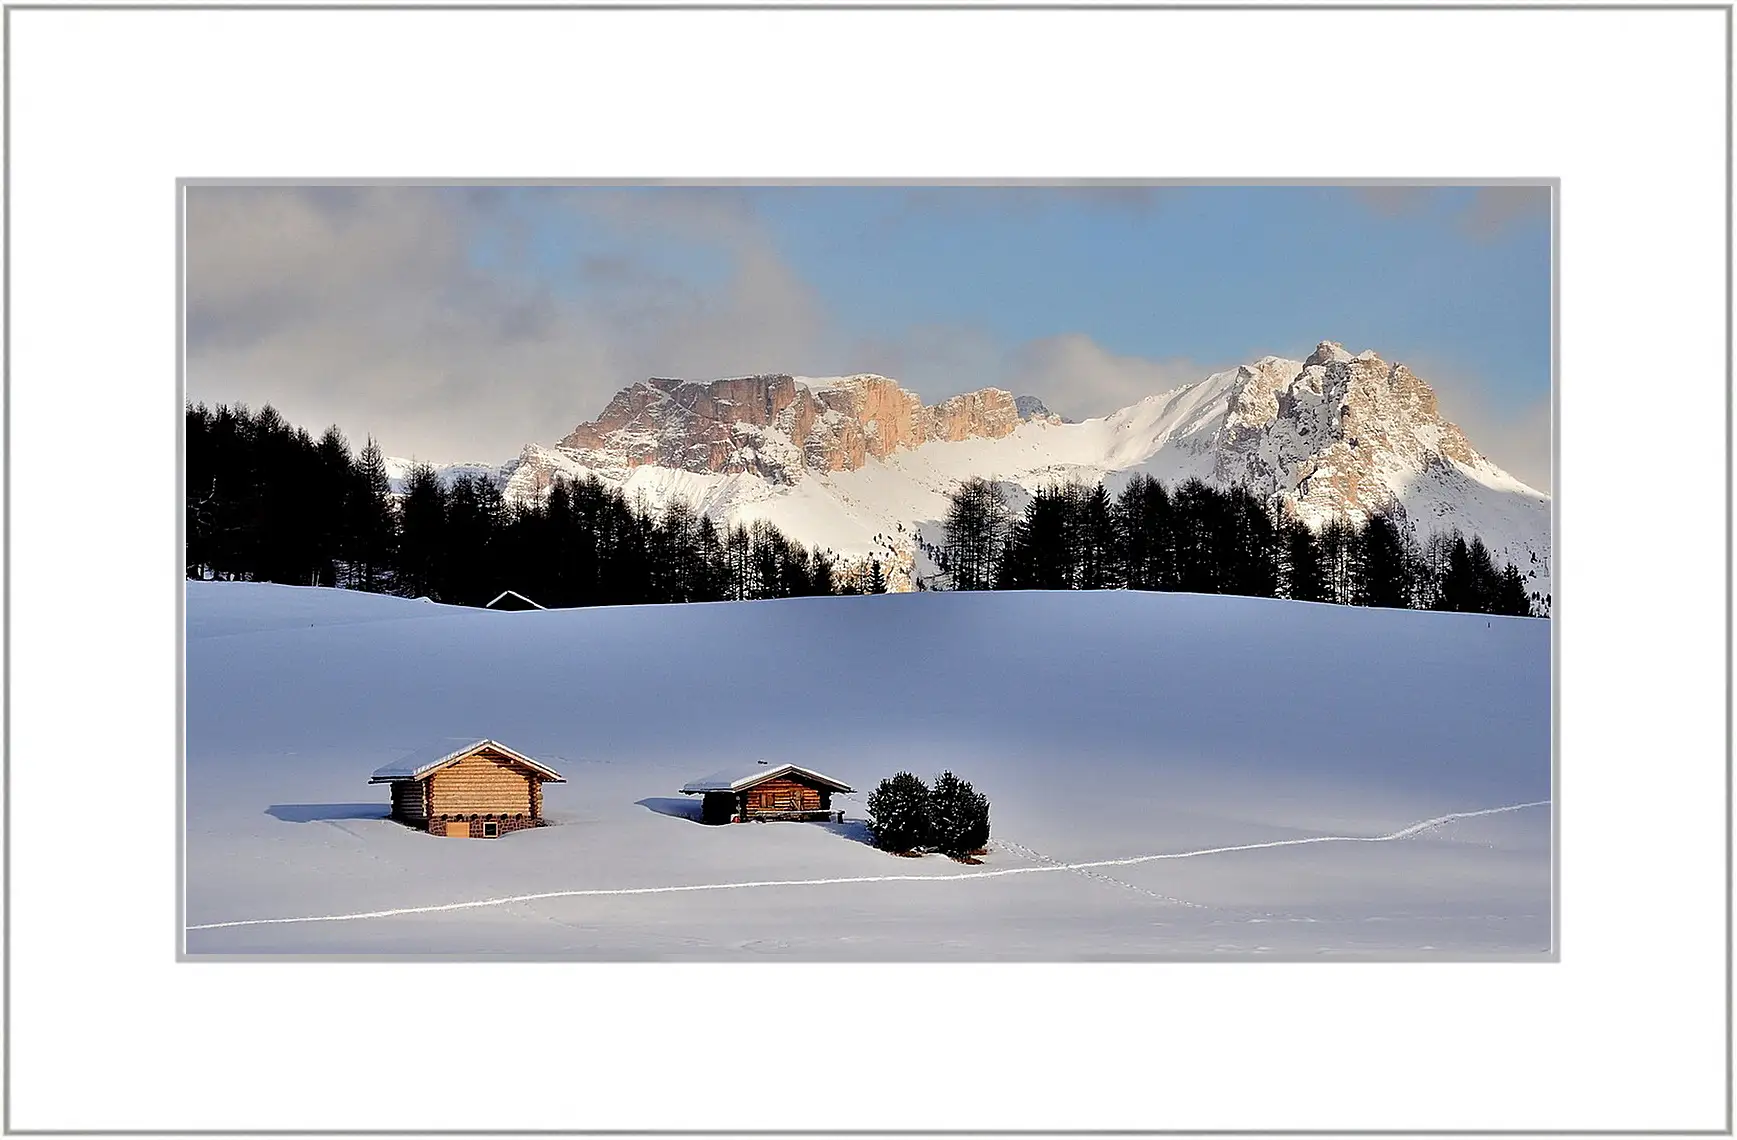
(1402, 833)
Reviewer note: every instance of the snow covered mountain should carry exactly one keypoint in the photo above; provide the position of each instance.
(859, 464)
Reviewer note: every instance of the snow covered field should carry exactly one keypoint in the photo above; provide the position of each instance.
(1136, 733)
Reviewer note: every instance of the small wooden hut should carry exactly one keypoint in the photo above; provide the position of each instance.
(766, 791)
(512, 600)
(476, 790)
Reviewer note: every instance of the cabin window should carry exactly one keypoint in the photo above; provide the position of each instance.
(491, 830)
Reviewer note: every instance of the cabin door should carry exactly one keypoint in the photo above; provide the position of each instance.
(458, 829)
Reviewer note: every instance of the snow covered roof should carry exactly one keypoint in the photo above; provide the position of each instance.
(746, 776)
(450, 750)
(513, 594)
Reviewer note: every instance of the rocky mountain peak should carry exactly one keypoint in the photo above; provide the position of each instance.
(1328, 352)
(1337, 434)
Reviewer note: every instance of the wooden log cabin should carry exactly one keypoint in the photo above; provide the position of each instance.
(476, 790)
(766, 791)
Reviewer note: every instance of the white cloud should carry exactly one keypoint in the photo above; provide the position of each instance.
(1078, 378)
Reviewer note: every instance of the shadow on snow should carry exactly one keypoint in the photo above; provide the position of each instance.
(683, 808)
(315, 813)
(855, 830)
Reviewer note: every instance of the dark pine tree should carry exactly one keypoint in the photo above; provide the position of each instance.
(1338, 559)
(1510, 596)
(674, 553)
(1255, 551)
(976, 527)
(739, 578)
(711, 573)
(422, 534)
(958, 817)
(1383, 567)
(1206, 539)
(202, 493)
(1457, 589)
(371, 530)
(1433, 569)
(1095, 541)
(899, 813)
(466, 573)
(1145, 525)
(1487, 580)
(1305, 569)
(822, 573)
(334, 477)
(1041, 551)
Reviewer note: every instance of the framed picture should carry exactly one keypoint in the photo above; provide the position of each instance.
(961, 554)
(1034, 611)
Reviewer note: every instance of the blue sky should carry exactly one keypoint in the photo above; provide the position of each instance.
(518, 312)
(1216, 275)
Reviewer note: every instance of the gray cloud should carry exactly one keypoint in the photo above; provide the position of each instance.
(1494, 208)
(1485, 214)
(1028, 199)
(1394, 201)
(366, 308)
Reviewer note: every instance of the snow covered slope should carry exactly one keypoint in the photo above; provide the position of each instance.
(1123, 739)
(858, 465)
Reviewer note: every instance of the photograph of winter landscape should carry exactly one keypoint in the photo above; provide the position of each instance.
(868, 573)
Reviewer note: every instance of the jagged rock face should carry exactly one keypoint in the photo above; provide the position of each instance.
(988, 414)
(673, 423)
(773, 426)
(856, 417)
(1340, 434)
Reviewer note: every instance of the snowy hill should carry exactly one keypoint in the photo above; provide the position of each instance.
(859, 465)
(1169, 775)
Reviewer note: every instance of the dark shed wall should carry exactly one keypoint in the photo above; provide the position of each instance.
(407, 800)
(717, 807)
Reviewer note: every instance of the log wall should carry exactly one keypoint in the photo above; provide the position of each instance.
(783, 794)
(485, 782)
